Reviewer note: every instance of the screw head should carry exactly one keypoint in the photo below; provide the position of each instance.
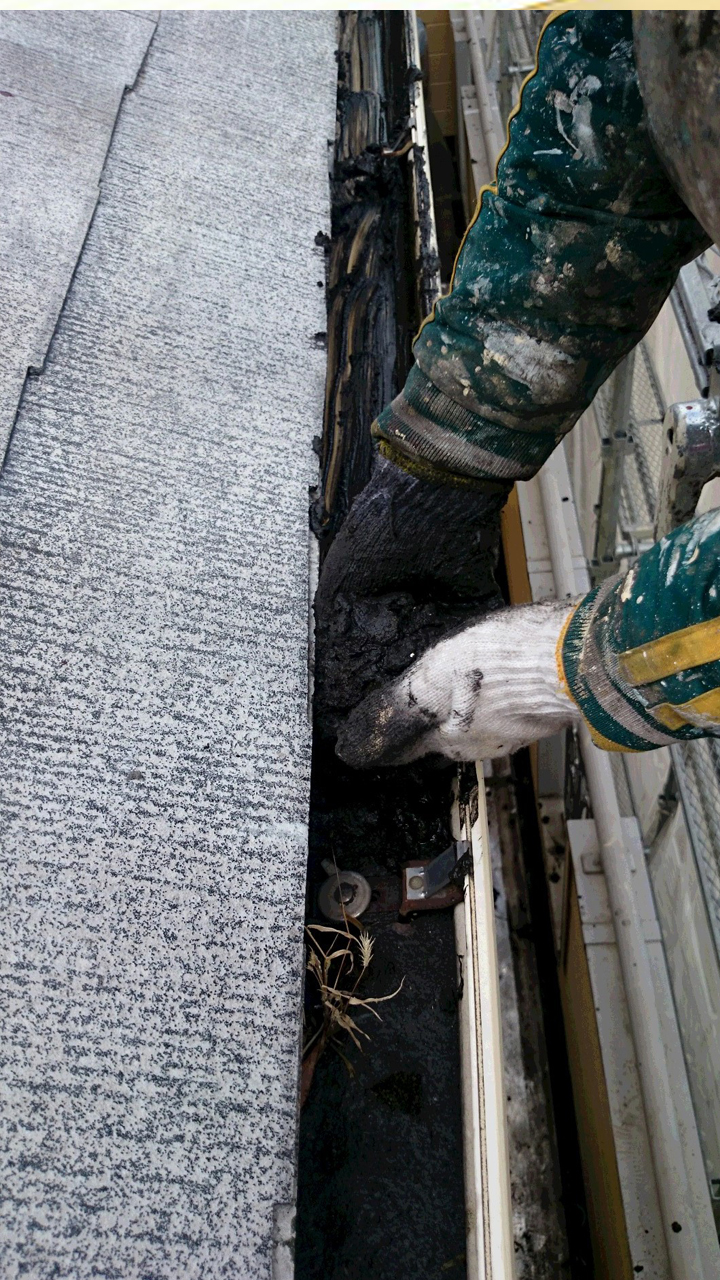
(416, 882)
(347, 891)
(344, 892)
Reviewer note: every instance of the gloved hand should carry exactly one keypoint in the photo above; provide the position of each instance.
(413, 560)
(490, 689)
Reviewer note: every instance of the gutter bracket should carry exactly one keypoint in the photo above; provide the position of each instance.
(431, 885)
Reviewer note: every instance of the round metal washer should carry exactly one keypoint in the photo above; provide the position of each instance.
(346, 889)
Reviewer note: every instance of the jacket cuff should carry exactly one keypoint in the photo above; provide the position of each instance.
(423, 423)
(615, 715)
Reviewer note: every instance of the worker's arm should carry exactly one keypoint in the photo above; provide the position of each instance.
(567, 263)
(564, 268)
(641, 654)
(639, 658)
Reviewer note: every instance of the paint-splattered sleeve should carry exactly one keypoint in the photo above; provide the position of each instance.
(641, 655)
(565, 266)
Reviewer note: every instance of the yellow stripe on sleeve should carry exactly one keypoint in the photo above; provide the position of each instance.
(670, 654)
(607, 744)
(706, 707)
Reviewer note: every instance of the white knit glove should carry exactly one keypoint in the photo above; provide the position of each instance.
(487, 691)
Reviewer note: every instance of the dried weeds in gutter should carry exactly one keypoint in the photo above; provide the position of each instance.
(338, 972)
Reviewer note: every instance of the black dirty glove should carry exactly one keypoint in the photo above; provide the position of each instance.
(485, 691)
(413, 561)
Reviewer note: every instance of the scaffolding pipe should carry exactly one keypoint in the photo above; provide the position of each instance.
(490, 121)
(671, 1177)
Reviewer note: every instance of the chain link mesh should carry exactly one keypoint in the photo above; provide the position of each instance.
(643, 463)
(698, 767)
(641, 478)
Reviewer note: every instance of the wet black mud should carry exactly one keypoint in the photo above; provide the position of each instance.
(372, 314)
(381, 1171)
(413, 562)
(380, 1159)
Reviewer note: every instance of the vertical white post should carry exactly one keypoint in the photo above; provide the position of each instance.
(490, 1244)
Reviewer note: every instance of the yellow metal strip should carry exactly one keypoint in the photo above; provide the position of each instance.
(705, 704)
(677, 651)
(667, 715)
(514, 550)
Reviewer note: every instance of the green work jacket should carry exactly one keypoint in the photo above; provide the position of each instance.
(569, 257)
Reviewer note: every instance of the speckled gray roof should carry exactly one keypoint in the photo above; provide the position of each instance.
(153, 628)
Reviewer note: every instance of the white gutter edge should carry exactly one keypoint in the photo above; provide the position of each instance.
(490, 1247)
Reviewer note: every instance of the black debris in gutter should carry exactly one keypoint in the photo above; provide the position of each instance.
(380, 1160)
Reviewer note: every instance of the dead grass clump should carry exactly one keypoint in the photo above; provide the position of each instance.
(338, 968)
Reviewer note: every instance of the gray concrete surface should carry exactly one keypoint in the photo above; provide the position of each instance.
(62, 77)
(153, 660)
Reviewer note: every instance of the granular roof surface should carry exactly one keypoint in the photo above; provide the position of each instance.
(154, 628)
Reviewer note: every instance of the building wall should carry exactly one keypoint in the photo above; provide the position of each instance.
(441, 92)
